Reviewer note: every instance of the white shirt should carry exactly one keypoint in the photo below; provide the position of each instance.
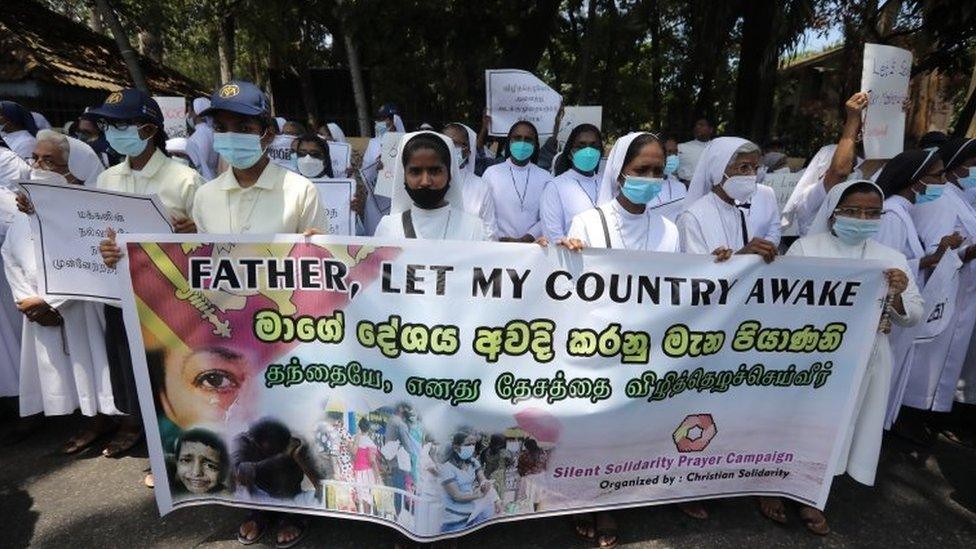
(898, 230)
(517, 192)
(688, 154)
(444, 223)
(628, 231)
(21, 142)
(12, 167)
(174, 183)
(762, 217)
(479, 202)
(565, 197)
(279, 202)
(711, 223)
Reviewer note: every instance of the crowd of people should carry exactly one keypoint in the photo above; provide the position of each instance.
(646, 192)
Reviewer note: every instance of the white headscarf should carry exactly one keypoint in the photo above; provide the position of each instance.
(615, 163)
(40, 121)
(398, 124)
(280, 123)
(336, 131)
(401, 200)
(711, 167)
(83, 161)
(472, 149)
(821, 223)
(200, 104)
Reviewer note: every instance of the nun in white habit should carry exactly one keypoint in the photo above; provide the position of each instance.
(477, 198)
(635, 174)
(576, 186)
(428, 191)
(63, 363)
(842, 229)
(726, 210)
(940, 362)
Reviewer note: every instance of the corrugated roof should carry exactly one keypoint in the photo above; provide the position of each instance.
(39, 44)
(810, 59)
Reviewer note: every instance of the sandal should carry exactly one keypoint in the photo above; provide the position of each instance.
(124, 440)
(693, 509)
(773, 509)
(814, 520)
(606, 530)
(584, 524)
(290, 521)
(260, 520)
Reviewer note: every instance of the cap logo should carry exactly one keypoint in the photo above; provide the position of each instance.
(113, 98)
(229, 90)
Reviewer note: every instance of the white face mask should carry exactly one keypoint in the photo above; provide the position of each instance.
(309, 166)
(740, 187)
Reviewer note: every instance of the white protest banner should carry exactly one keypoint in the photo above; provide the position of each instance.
(281, 153)
(334, 197)
(885, 76)
(617, 378)
(174, 115)
(69, 223)
(939, 294)
(388, 160)
(341, 155)
(513, 95)
(573, 116)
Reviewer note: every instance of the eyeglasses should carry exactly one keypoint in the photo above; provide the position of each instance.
(860, 213)
(46, 164)
(120, 125)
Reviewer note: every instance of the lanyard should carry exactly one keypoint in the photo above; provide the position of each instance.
(525, 191)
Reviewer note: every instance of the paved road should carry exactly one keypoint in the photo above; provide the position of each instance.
(923, 499)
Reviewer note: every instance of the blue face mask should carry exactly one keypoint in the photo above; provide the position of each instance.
(671, 164)
(522, 150)
(466, 452)
(586, 159)
(851, 230)
(126, 142)
(641, 190)
(968, 182)
(380, 128)
(932, 192)
(240, 150)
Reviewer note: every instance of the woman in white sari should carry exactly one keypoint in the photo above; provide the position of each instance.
(842, 229)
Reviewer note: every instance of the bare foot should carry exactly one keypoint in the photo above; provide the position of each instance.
(814, 520)
(606, 530)
(694, 509)
(773, 509)
(585, 526)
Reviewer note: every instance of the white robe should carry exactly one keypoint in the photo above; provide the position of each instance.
(939, 363)
(444, 223)
(64, 368)
(479, 202)
(566, 196)
(862, 443)
(627, 231)
(517, 192)
(763, 217)
(12, 168)
(711, 223)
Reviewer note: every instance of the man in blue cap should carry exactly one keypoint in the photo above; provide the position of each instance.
(254, 196)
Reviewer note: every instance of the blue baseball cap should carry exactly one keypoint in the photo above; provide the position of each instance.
(128, 104)
(239, 97)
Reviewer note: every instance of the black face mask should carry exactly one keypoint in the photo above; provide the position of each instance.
(427, 198)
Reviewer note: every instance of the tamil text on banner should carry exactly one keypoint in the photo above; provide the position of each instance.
(335, 197)
(885, 76)
(513, 95)
(439, 387)
(69, 223)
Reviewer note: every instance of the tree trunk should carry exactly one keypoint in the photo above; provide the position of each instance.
(584, 66)
(358, 86)
(151, 46)
(966, 123)
(95, 21)
(656, 61)
(226, 28)
(759, 44)
(525, 48)
(308, 97)
(125, 48)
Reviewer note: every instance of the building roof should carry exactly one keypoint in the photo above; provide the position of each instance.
(39, 44)
(811, 59)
